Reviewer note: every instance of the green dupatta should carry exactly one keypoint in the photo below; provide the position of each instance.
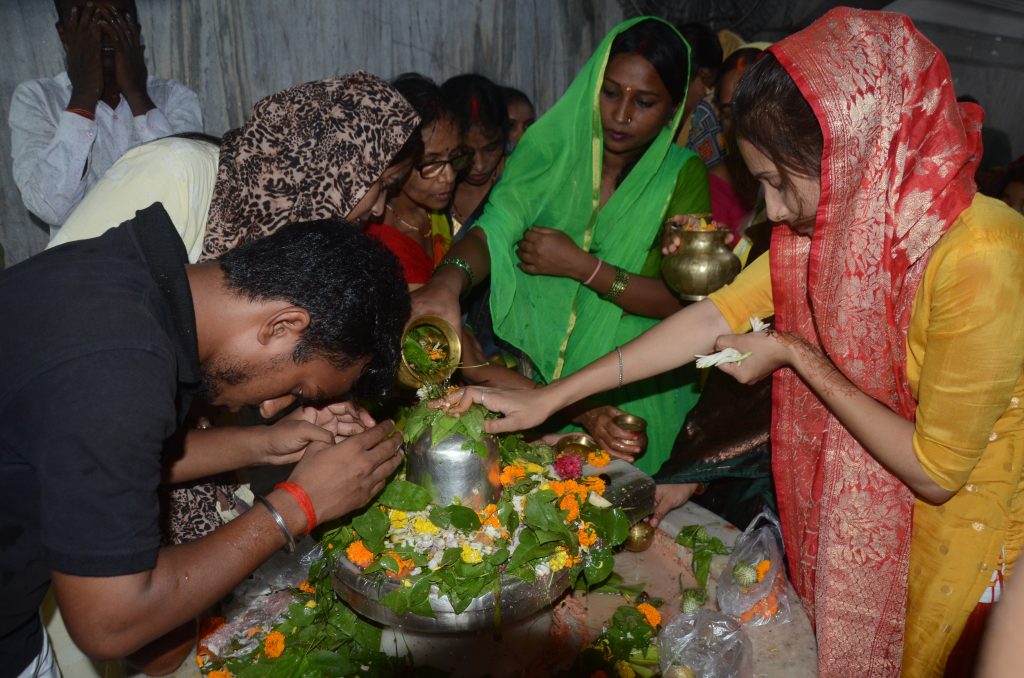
(554, 179)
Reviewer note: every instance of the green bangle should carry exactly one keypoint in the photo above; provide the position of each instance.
(459, 263)
(618, 285)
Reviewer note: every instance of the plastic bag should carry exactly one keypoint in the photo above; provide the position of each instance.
(705, 644)
(752, 587)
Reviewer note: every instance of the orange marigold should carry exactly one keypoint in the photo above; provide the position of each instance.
(359, 554)
(762, 569)
(599, 458)
(587, 536)
(570, 504)
(404, 566)
(650, 613)
(594, 484)
(220, 673)
(510, 474)
(306, 587)
(273, 644)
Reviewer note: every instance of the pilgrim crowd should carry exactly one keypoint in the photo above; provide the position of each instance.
(210, 304)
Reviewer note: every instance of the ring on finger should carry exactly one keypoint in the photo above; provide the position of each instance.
(483, 396)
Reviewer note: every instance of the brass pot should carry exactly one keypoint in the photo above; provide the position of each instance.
(441, 332)
(702, 264)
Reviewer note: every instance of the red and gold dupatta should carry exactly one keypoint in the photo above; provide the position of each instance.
(897, 169)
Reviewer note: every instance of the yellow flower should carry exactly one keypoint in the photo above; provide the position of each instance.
(310, 604)
(399, 519)
(421, 525)
(598, 459)
(650, 613)
(560, 560)
(624, 670)
(529, 466)
(470, 555)
(273, 644)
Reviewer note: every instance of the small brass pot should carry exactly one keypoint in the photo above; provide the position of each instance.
(630, 422)
(702, 264)
(641, 536)
(441, 332)
(579, 444)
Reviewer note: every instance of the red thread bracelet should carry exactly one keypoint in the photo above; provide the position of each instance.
(82, 112)
(305, 503)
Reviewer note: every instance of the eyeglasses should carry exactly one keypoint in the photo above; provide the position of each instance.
(459, 163)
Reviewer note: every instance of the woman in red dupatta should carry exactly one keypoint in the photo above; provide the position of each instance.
(898, 436)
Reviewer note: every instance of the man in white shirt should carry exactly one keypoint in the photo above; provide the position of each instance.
(68, 130)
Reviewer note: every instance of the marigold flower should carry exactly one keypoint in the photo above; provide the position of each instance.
(330, 547)
(470, 555)
(306, 587)
(650, 613)
(762, 569)
(273, 644)
(404, 566)
(587, 536)
(359, 554)
(594, 484)
(421, 525)
(599, 459)
(569, 503)
(560, 560)
(510, 474)
(220, 673)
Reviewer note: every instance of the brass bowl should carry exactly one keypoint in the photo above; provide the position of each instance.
(630, 422)
(443, 333)
(641, 535)
(579, 444)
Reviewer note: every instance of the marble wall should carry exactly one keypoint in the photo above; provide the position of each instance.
(233, 52)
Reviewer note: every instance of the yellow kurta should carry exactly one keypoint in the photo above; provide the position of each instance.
(965, 366)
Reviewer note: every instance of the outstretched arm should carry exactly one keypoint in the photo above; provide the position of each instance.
(667, 345)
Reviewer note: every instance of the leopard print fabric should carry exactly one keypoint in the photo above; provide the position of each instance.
(308, 152)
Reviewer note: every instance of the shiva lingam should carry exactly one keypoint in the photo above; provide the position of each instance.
(702, 264)
(451, 471)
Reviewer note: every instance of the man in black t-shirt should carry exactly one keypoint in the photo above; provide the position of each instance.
(104, 343)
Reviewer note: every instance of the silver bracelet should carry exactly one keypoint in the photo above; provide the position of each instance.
(289, 547)
(618, 350)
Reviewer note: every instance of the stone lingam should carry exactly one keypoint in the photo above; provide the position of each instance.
(458, 469)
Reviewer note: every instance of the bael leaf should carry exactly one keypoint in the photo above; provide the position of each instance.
(462, 517)
(405, 496)
(372, 526)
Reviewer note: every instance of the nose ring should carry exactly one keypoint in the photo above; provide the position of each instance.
(629, 120)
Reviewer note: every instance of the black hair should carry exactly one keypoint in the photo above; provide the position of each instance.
(705, 48)
(659, 44)
(475, 100)
(62, 5)
(771, 114)
(741, 59)
(512, 94)
(424, 96)
(350, 284)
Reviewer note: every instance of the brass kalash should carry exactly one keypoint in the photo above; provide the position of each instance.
(702, 264)
(451, 470)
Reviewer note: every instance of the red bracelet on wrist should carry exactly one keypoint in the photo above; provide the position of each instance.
(81, 111)
(303, 500)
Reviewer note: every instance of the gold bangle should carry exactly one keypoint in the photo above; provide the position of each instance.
(618, 285)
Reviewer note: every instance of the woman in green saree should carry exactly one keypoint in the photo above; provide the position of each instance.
(569, 234)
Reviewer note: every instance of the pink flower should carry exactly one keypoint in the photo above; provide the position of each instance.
(569, 467)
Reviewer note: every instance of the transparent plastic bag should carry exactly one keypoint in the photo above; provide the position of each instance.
(752, 587)
(705, 644)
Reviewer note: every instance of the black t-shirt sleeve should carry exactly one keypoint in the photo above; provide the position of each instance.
(98, 424)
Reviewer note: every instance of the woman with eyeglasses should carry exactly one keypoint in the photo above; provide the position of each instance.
(416, 225)
(568, 235)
